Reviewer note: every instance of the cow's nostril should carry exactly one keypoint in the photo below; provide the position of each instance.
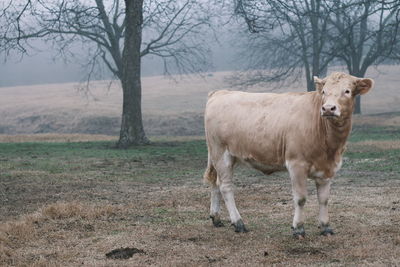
(333, 108)
(323, 109)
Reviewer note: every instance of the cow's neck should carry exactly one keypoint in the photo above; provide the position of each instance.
(336, 133)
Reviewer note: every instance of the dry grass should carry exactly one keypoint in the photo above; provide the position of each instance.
(51, 137)
(77, 210)
(43, 238)
(171, 226)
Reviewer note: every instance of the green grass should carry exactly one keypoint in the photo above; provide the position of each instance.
(148, 164)
(162, 162)
(104, 149)
(382, 161)
(365, 132)
(370, 158)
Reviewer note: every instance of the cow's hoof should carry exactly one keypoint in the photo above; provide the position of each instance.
(327, 231)
(216, 221)
(239, 227)
(299, 232)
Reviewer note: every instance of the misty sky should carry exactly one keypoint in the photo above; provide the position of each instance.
(45, 67)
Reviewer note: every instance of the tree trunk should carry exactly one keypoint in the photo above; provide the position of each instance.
(310, 85)
(357, 108)
(309, 78)
(132, 132)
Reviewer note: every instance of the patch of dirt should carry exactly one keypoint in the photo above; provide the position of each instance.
(123, 253)
(304, 251)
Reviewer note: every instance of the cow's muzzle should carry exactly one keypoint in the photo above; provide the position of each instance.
(329, 110)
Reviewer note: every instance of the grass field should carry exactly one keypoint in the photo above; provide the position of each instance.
(67, 203)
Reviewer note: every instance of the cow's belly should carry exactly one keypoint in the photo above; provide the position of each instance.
(264, 168)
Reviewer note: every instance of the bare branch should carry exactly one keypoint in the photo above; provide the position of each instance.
(167, 26)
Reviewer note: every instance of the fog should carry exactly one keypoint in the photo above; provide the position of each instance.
(43, 64)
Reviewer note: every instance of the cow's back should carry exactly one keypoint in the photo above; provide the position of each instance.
(264, 127)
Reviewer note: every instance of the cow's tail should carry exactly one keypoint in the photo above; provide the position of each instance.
(210, 175)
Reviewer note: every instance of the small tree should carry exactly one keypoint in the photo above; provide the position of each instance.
(172, 30)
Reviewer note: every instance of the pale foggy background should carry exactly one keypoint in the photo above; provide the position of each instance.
(45, 65)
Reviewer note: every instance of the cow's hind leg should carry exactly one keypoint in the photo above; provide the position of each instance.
(298, 176)
(210, 176)
(224, 169)
(215, 206)
(323, 191)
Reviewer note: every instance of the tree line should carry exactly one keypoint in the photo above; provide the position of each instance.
(304, 37)
(285, 40)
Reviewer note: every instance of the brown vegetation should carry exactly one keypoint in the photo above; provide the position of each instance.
(171, 226)
(37, 239)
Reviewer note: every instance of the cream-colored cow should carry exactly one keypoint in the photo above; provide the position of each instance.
(305, 133)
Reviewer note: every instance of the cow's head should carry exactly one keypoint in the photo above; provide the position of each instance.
(338, 92)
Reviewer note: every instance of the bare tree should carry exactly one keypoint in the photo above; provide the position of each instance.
(365, 33)
(121, 32)
(287, 38)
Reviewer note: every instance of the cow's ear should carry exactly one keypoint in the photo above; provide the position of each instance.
(319, 84)
(363, 86)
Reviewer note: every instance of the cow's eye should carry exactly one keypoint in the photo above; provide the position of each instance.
(347, 91)
(323, 92)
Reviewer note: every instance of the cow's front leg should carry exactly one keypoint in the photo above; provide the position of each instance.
(298, 176)
(323, 191)
(215, 206)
